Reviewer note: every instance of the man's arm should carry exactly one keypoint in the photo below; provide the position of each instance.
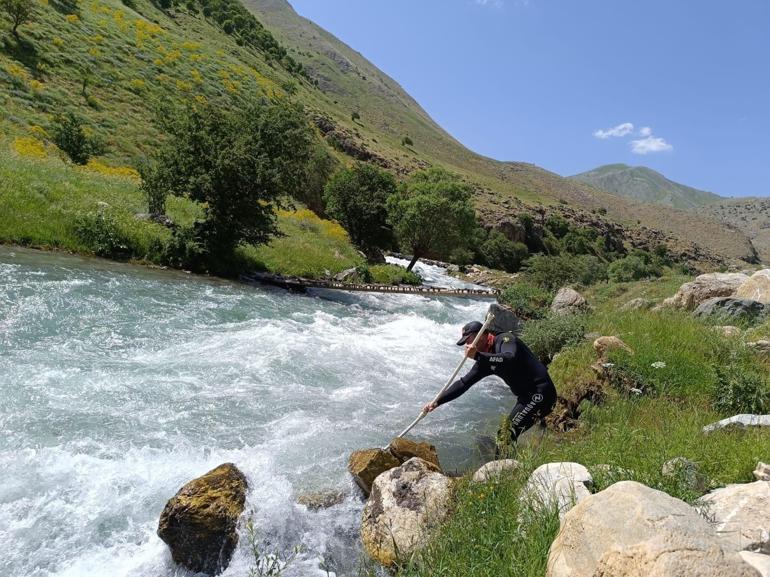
(461, 385)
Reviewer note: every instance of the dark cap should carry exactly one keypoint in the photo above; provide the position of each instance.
(469, 330)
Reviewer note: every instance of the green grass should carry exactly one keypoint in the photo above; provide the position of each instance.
(393, 274)
(488, 534)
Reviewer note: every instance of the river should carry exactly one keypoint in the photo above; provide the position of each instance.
(118, 384)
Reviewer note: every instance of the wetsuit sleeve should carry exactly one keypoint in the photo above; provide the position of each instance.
(505, 351)
(463, 384)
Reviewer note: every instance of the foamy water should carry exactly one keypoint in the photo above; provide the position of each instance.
(119, 384)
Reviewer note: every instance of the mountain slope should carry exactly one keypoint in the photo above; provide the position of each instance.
(749, 215)
(645, 185)
(114, 64)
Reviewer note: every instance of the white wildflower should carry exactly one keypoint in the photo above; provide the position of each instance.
(658, 365)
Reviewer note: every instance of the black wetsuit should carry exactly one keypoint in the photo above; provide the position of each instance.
(511, 360)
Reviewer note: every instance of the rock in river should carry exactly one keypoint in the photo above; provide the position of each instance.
(199, 522)
(367, 464)
(406, 505)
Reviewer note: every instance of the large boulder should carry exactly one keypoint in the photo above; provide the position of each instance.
(705, 286)
(560, 485)
(568, 301)
(759, 561)
(756, 287)
(405, 507)
(762, 472)
(631, 530)
(318, 500)
(761, 346)
(199, 522)
(739, 422)
(605, 344)
(732, 309)
(367, 464)
(741, 514)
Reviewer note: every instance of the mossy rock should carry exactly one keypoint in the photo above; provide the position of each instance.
(199, 522)
(367, 464)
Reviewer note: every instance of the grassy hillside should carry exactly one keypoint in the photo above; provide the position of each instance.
(646, 185)
(115, 63)
(688, 372)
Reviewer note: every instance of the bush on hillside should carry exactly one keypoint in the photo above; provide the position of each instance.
(527, 301)
(549, 335)
(70, 137)
(393, 274)
(741, 389)
(356, 197)
(554, 272)
(18, 12)
(497, 251)
(101, 233)
(635, 266)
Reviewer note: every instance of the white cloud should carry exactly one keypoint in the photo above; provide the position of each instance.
(645, 131)
(650, 144)
(616, 131)
(496, 3)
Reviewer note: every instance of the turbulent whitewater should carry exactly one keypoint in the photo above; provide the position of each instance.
(118, 384)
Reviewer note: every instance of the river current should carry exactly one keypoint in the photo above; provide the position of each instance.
(118, 384)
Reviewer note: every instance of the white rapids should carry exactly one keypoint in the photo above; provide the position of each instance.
(118, 384)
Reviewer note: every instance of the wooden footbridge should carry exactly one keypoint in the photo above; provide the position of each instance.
(297, 284)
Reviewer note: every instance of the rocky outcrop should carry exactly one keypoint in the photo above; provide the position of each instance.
(732, 308)
(756, 287)
(762, 472)
(687, 472)
(199, 522)
(630, 530)
(705, 286)
(406, 505)
(762, 346)
(741, 515)
(367, 464)
(603, 345)
(638, 304)
(560, 485)
(568, 301)
(494, 470)
(739, 422)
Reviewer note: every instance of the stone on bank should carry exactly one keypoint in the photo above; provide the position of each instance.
(407, 504)
(365, 465)
(199, 523)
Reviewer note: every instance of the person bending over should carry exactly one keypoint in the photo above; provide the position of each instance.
(506, 356)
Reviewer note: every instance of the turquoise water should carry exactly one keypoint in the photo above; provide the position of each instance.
(118, 384)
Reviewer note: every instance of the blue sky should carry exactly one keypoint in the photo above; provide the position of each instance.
(560, 82)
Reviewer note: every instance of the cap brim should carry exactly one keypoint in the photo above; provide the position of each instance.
(463, 340)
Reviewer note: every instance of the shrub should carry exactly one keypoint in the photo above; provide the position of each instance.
(406, 141)
(741, 389)
(557, 225)
(549, 335)
(633, 267)
(355, 116)
(528, 301)
(554, 272)
(497, 251)
(69, 136)
(393, 274)
(19, 12)
(101, 233)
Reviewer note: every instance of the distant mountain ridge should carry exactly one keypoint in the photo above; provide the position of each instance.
(646, 185)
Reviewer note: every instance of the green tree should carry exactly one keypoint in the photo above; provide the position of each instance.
(236, 163)
(356, 197)
(432, 214)
(19, 12)
(69, 136)
(501, 253)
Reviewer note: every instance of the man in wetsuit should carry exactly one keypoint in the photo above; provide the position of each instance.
(506, 356)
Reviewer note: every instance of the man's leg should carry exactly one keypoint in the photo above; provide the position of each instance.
(524, 415)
